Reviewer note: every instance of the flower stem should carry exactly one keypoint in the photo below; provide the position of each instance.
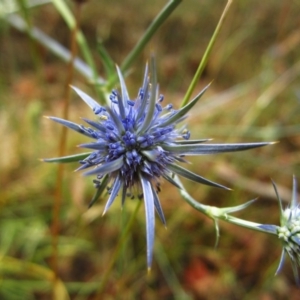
(246, 224)
(140, 45)
(118, 248)
(205, 57)
(157, 22)
(216, 213)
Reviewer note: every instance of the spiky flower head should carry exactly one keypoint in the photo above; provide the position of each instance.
(136, 142)
(289, 231)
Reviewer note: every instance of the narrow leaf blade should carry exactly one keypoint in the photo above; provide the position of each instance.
(106, 167)
(150, 218)
(78, 128)
(203, 149)
(194, 177)
(95, 106)
(114, 193)
(67, 159)
(99, 191)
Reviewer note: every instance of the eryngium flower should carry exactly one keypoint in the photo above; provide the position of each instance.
(136, 143)
(289, 231)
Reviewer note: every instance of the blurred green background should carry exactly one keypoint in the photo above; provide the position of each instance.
(255, 96)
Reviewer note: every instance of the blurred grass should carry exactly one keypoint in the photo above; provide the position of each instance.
(257, 45)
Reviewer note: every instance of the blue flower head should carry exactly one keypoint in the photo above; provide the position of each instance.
(136, 143)
(289, 231)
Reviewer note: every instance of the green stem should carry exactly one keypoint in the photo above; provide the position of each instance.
(118, 248)
(157, 22)
(216, 213)
(205, 57)
(154, 26)
(246, 224)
